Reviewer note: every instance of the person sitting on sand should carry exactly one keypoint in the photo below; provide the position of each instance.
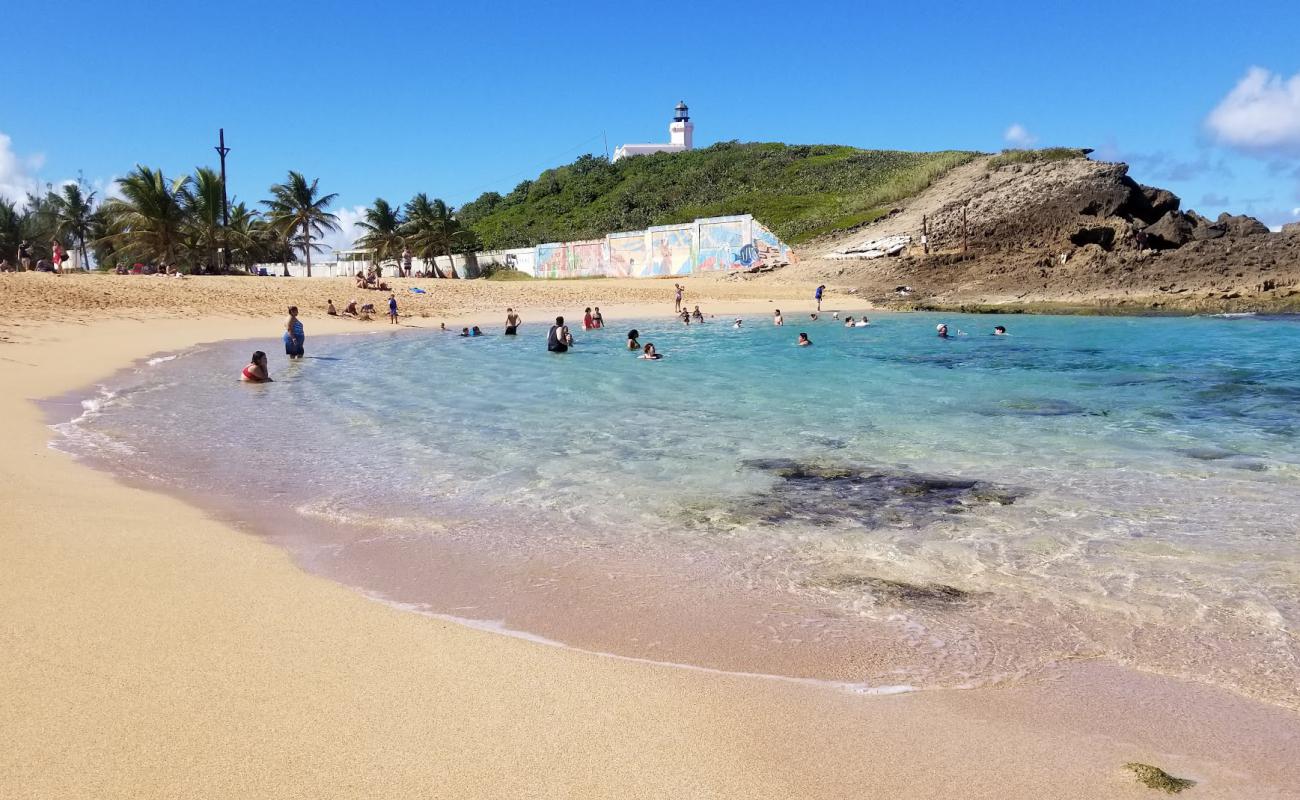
(697, 315)
(513, 322)
(474, 331)
(256, 371)
(392, 308)
(294, 337)
(649, 353)
(559, 339)
(804, 341)
(587, 322)
(597, 318)
(351, 308)
(330, 309)
(367, 312)
(5, 266)
(943, 331)
(361, 280)
(998, 330)
(776, 318)
(632, 336)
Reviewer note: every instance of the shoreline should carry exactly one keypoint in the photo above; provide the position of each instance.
(147, 636)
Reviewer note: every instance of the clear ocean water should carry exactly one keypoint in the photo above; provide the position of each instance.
(883, 507)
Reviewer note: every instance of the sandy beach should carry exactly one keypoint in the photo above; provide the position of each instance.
(150, 650)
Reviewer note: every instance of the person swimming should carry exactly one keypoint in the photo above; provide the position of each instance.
(998, 330)
(776, 318)
(804, 341)
(737, 323)
(942, 331)
(464, 332)
(632, 336)
(813, 316)
(862, 323)
(474, 331)
(256, 371)
(649, 354)
(559, 339)
(848, 322)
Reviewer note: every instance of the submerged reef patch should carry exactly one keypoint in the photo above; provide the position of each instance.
(1156, 778)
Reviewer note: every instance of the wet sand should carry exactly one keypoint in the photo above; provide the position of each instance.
(151, 650)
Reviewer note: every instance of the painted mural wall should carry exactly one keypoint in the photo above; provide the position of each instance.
(714, 244)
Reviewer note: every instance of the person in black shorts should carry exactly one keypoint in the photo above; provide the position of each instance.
(559, 339)
(512, 322)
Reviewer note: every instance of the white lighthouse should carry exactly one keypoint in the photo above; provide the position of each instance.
(681, 134)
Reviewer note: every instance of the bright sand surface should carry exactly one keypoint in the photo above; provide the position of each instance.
(147, 650)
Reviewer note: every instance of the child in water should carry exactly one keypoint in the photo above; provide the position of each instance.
(804, 341)
(649, 353)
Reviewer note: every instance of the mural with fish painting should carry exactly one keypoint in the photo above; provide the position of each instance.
(722, 244)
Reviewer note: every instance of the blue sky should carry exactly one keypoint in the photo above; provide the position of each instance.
(390, 99)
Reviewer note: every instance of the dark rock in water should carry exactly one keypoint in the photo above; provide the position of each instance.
(1207, 453)
(1155, 778)
(899, 592)
(1035, 408)
(824, 494)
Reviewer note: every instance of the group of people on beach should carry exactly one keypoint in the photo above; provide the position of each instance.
(55, 263)
(559, 339)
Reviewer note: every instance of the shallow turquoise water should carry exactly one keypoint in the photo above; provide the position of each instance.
(1137, 481)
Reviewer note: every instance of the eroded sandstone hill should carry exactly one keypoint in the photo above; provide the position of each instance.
(1073, 231)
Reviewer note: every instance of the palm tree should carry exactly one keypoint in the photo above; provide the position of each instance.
(383, 231)
(149, 219)
(73, 213)
(245, 235)
(432, 228)
(300, 213)
(203, 203)
(11, 229)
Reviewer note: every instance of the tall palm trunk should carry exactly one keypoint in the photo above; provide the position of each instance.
(452, 263)
(306, 236)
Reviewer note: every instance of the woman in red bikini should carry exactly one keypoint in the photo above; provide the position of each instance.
(256, 371)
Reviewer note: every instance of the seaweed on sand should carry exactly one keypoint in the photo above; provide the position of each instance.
(1156, 778)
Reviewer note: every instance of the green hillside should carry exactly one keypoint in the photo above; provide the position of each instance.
(799, 191)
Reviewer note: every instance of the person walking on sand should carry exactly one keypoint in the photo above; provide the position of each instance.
(294, 336)
(559, 339)
(24, 255)
(392, 308)
(56, 255)
(256, 371)
(677, 304)
(817, 295)
(513, 321)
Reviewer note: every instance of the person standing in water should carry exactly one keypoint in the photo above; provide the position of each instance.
(513, 322)
(677, 305)
(587, 322)
(817, 295)
(942, 331)
(998, 330)
(598, 318)
(256, 371)
(632, 336)
(649, 353)
(804, 341)
(776, 318)
(295, 338)
(559, 339)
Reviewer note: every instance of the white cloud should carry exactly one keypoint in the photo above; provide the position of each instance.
(17, 175)
(348, 232)
(1261, 114)
(1019, 136)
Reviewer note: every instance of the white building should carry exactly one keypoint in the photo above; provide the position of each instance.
(680, 133)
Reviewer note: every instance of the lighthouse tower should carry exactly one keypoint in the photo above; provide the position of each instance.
(681, 133)
(682, 130)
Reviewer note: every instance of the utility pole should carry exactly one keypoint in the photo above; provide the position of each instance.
(925, 233)
(606, 139)
(225, 201)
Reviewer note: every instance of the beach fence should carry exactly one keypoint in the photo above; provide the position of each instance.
(710, 244)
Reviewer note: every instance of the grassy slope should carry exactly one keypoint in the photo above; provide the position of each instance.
(799, 191)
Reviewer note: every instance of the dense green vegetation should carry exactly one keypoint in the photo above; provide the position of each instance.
(1007, 157)
(799, 191)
